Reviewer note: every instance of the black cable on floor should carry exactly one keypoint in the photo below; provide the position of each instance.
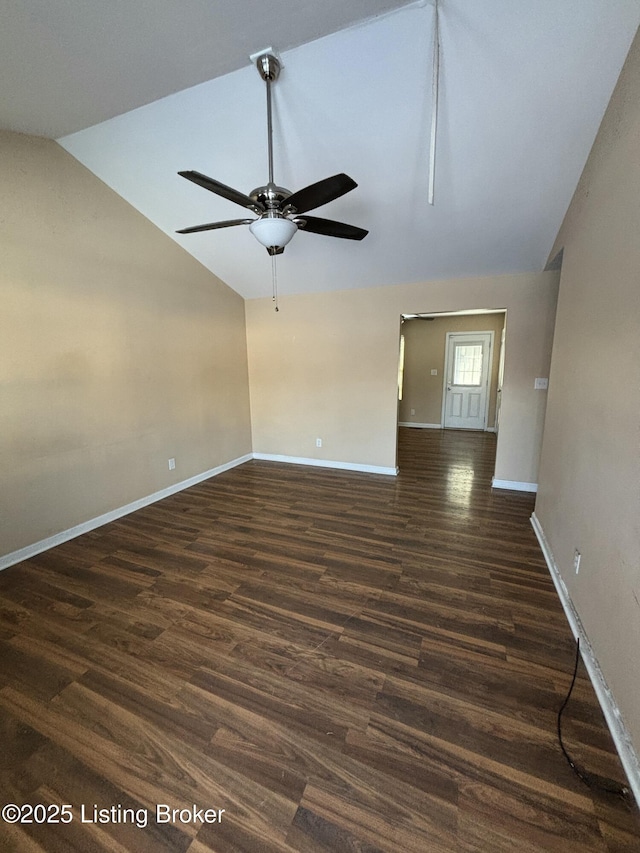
(593, 780)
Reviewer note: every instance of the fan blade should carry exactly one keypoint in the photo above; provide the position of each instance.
(213, 225)
(320, 193)
(222, 190)
(330, 228)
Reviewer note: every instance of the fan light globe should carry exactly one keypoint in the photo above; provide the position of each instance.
(273, 231)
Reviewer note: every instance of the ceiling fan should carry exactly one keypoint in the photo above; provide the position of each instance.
(279, 211)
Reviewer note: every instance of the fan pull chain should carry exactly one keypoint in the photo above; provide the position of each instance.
(435, 83)
(274, 281)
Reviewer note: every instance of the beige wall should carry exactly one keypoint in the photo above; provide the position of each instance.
(117, 351)
(326, 366)
(425, 344)
(590, 472)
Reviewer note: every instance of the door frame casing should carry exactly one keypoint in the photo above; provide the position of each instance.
(470, 334)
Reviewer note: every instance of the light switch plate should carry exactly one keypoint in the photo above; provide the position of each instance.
(541, 384)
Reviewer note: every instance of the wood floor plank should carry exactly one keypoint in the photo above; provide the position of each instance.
(70, 781)
(356, 813)
(532, 825)
(464, 765)
(340, 661)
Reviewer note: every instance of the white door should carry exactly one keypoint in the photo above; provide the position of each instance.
(467, 372)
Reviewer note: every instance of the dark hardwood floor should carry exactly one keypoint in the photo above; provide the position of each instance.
(340, 661)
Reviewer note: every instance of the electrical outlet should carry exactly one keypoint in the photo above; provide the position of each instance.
(172, 464)
(318, 442)
(413, 411)
(577, 556)
(434, 371)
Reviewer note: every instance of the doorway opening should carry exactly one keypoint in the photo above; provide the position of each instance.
(450, 370)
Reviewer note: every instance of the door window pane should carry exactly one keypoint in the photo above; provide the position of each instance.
(467, 365)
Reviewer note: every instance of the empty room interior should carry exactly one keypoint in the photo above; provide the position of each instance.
(322, 541)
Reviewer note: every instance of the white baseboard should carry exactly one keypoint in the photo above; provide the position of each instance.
(326, 463)
(514, 485)
(433, 426)
(64, 536)
(622, 740)
(419, 426)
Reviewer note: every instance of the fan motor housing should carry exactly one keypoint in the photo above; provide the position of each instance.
(270, 196)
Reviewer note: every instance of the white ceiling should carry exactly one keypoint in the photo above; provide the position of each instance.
(69, 64)
(524, 86)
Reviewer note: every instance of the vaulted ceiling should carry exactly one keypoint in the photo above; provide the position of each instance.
(139, 91)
